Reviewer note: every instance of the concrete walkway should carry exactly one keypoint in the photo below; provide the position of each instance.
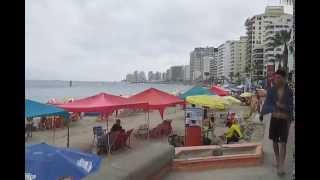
(264, 172)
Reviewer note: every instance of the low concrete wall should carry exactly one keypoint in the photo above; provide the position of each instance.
(151, 161)
(224, 161)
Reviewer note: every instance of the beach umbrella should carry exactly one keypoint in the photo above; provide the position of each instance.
(43, 161)
(246, 94)
(197, 90)
(231, 99)
(214, 102)
(219, 91)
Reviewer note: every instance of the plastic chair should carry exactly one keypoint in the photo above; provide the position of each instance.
(128, 137)
(166, 127)
(114, 138)
(102, 144)
(156, 132)
(97, 132)
(142, 131)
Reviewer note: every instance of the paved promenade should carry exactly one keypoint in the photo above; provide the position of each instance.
(264, 172)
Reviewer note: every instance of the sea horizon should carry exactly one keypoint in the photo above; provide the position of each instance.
(44, 90)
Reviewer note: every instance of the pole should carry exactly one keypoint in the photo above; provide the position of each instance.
(108, 135)
(54, 129)
(68, 136)
(148, 123)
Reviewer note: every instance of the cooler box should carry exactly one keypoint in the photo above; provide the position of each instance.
(193, 136)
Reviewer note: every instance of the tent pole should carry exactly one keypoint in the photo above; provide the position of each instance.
(148, 124)
(54, 129)
(108, 135)
(107, 119)
(68, 136)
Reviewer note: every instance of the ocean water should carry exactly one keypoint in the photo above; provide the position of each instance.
(42, 91)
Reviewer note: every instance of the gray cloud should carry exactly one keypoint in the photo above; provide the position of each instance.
(104, 40)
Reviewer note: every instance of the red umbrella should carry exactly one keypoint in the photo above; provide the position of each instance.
(103, 102)
(219, 91)
(157, 99)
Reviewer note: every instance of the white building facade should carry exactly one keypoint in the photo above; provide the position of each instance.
(224, 64)
(206, 67)
(186, 71)
(260, 30)
(197, 60)
(213, 65)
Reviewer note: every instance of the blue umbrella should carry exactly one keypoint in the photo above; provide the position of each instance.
(36, 109)
(43, 161)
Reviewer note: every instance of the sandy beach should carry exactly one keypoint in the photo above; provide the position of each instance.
(81, 134)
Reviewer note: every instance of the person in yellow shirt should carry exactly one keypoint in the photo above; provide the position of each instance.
(234, 133)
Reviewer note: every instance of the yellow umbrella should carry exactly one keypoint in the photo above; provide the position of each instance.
(214, 102)
(231, 99)
(246, 94)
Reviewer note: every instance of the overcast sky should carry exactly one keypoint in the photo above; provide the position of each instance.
(103, 40)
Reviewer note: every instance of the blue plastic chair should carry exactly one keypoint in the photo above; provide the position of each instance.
(97, 132)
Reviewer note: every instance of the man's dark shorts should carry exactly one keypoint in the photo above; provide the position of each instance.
(279, 130)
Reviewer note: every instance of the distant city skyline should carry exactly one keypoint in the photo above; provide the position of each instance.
(105, 40)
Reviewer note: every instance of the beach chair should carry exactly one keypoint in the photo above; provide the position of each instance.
(156, 132)
(97, 132)
(127, 138)
(114, 140)
(142, 131)
(48, 123)
(102, 144)
(166, 127)
(42, 125)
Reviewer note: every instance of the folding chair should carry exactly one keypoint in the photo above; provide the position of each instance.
(166, 127)
(97, 131)
(156, 132)
(102, 143)
(142, 131)
(128, 137)
(114, 141)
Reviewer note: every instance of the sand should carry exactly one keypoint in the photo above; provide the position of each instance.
(81, 134)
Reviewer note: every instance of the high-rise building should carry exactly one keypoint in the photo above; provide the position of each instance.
(272, 26)
(130, 78)
(260, 30)
(197, 60)
(213, 65)
(238, 57)
(135, 76)
(150, 76)
(207, 60)
(186, 71)
(168, 75)
(157, 76)
(225, 66)
(142, 77)
(287, 6)
(176, 73)
(164, 76)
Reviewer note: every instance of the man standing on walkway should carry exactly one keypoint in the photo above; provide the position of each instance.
(279, 102)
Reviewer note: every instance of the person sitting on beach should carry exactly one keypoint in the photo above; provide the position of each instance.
(120, 139)
(117, 126)
(234, 133)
